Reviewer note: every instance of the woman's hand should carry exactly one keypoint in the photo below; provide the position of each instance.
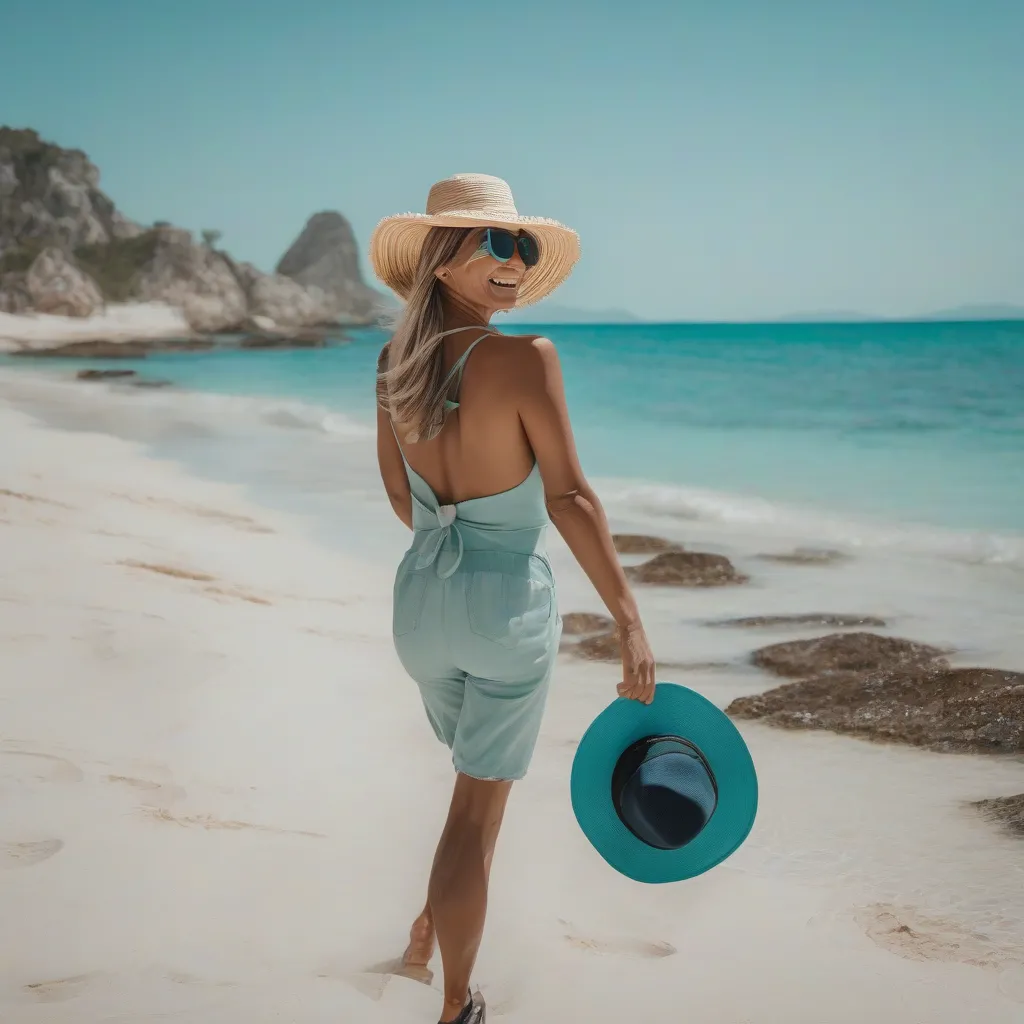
(638, 669)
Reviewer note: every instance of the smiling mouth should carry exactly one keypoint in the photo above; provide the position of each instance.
(504, 284)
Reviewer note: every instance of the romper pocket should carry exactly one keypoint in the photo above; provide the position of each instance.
(410, 590)
(511, 605)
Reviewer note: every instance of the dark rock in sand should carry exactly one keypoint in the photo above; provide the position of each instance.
(845, 652)
(687, 569)
(585, 623)
(145, 382)
(103, 374)
(641, 544)
(89, 350)
(602, 647)
(974, 710)
(812, 619)
(806, 556)
(1005, 810)
(297, 340)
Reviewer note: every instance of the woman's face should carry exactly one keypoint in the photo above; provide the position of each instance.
(477, 279)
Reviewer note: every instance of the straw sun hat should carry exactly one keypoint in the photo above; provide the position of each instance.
(472, 201)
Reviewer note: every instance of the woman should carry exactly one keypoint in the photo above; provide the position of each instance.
(476, 453)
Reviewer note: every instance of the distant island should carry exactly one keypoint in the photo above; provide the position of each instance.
(976, 311)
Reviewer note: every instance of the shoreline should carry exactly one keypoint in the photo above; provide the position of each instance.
(195, 695)
(138, 326)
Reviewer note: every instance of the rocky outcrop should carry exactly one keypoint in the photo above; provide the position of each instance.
(845, 652)
(284, 301)
(51, 197)
(975, 710)
(195, 279)
(326, 256)
(56, 284)
(799, 621)
(64, 248)
(687, 569)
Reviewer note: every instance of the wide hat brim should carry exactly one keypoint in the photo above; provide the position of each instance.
(397, 241)
(675, 711)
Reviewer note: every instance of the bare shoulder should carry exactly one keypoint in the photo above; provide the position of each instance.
(527, 355)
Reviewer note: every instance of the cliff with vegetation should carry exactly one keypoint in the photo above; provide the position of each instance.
(65, 249)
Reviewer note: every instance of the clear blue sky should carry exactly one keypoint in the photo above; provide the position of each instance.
(721, 159)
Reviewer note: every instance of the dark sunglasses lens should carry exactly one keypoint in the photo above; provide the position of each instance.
(528, 251)
(501, 243)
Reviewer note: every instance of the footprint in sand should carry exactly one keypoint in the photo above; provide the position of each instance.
(210, 823)
(397, 969)
(621, 946)
(37, 767)
(59, 990)
(184, 978)
(152, 794)
(26, 855)
(913, 936)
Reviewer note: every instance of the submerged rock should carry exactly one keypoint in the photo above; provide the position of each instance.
(975, 710)
(642, 544)
(103, 374)
(845, 652)
(806, 556)
(297, 339)
(1005, 810)
(810, 619)
(687, 569)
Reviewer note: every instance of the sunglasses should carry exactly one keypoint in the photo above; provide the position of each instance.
(501, 245)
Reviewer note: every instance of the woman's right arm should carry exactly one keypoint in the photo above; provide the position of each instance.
(576, 511)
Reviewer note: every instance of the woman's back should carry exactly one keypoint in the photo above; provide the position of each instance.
(482, 449)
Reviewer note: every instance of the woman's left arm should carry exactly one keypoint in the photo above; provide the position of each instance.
(392, 466)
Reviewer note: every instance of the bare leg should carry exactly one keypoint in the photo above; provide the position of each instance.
(420, 950)
(457, 892)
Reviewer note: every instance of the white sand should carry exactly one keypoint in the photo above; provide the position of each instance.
(134, 321)
(220, 800)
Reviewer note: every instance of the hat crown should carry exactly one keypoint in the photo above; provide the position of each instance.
(664, 791)
(464, 192)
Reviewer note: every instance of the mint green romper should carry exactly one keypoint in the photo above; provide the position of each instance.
(475, 620)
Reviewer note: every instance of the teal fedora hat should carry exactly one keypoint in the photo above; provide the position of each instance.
(664, 791)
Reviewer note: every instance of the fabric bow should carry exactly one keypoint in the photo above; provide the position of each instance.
(444, 537)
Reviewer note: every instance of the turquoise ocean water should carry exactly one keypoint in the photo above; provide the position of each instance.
(915, 425)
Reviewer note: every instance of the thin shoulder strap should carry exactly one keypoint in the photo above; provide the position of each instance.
(460, 363)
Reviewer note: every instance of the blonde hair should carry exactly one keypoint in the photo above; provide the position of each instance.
(411, 382)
